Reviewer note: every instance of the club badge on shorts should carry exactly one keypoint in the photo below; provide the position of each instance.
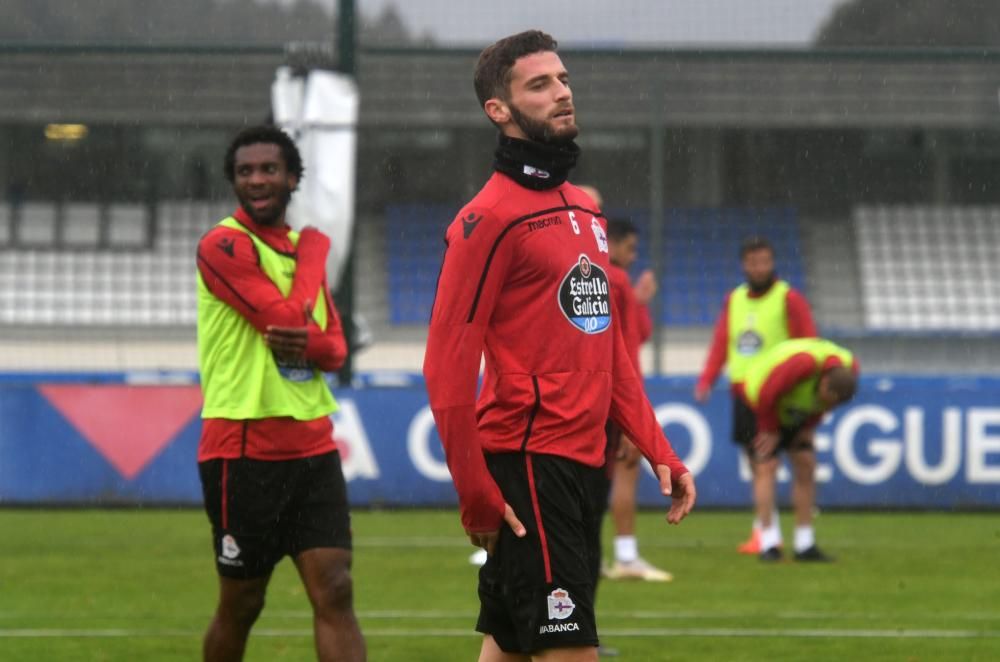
(560, 605)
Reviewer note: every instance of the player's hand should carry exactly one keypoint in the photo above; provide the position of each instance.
(765, 443)
(683, 498)
(287, 342)
(701, 393)
(682, 495)
(488, 540)
(645, 287)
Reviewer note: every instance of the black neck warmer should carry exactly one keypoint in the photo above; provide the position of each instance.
(535, 165)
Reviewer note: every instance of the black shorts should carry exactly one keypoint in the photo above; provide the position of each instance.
(263, 510)
(537, 592)
(745, 429)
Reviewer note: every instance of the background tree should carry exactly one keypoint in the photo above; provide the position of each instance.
(186, 22)
(913, 24)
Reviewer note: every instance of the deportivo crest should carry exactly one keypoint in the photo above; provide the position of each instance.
(583, 297)
(749, 342)
(560, 605)
(229, 547)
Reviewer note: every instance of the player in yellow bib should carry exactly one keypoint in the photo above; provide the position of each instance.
(755, 317)
(789, 388)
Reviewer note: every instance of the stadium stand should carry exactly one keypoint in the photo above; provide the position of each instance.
(73, 272)
(929, 268)
(699, 259)
(414, 245)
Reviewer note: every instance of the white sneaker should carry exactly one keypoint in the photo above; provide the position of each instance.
(478, 557)
(638, 569)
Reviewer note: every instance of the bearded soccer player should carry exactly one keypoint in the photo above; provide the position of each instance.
(756, 316)
(524, 280)
(270, 472)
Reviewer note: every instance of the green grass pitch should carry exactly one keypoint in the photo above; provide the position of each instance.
(140, 585)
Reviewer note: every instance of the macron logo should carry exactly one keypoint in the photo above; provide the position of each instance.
(469, 224)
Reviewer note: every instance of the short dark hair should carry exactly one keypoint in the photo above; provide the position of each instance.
(620, 228)
(755, 243)
(493, 70)
(266, 135)
(842, 381)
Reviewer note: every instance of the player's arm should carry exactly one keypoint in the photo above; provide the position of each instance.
(326, 349)
(716, 355)
(800, 319)
(472, 274)
(229, 265)
(631, 410)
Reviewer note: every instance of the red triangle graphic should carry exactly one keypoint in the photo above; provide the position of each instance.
(128, 425)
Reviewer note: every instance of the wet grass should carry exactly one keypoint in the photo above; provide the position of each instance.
(127, 585)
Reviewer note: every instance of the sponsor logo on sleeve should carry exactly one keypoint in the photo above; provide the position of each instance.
(583, 297)
(599, 234)
(469, 224)
(227, 246)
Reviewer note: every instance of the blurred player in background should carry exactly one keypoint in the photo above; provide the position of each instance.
(270, 471)
(524, 279)
(789, 388)
(755, 317)
(632, 302)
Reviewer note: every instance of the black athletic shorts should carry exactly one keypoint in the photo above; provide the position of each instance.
(745, 429)
(263, 510)
(537, 592)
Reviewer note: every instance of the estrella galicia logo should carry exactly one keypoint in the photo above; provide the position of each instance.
(469, 224)
(583, 297)
(294, 370)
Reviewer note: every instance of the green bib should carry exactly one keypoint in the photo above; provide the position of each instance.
(756, 324)
(802, 401)
(240, 377)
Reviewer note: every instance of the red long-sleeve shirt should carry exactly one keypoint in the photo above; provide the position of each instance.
(783, 379)
(636, 323)
(229, 265)
(800, 325)
(524, 278)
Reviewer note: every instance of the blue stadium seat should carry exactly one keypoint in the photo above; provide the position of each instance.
(699, 256)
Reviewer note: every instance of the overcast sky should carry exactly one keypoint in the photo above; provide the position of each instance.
(786, 23)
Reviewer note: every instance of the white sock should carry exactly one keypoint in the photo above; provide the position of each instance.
(757, 526)
(805, 538)
(626, 549)
(775, 530)
(770, 537)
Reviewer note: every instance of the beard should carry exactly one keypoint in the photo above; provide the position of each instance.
(539, 131)
(761, 285)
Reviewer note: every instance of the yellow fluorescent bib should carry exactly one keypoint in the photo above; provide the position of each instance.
(240, 377)
(802, 401)
(756, 324)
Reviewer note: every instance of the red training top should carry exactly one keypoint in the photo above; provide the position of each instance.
(229, 265)
(800, 325)
(524, 279)
(636, 323)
